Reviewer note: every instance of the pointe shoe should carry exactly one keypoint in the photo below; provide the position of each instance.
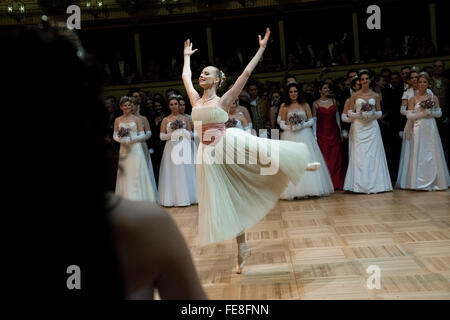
(244, 253)
(313, 166)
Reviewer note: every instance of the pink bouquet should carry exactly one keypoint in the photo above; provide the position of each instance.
(177, 124)
(295, 119)
(366, 107)
(231, 123)
(427, 104)
(123, 132)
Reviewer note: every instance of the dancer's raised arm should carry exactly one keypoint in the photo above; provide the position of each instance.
(234, 92)
(187, 73)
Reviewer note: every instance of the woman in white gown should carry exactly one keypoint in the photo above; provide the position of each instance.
(235, 196)
(312, 183)
(407, 133)
(148, 133)
(133, 179)
(177, 181)
(427, 169)
(238, 116)
(367, 170)
(195, 140)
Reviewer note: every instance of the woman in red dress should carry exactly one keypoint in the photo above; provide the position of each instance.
(328, 133)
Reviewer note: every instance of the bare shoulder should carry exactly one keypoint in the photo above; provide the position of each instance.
(136, 216)
(306, 106)
(376, 95)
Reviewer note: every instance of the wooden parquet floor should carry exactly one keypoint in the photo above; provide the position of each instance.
(320, 248)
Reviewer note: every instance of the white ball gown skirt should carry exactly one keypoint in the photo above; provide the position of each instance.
(177, 181)
(427, 169)
(367, 168)
(236, 195)
(404, 155)
(317, 183)
(150, 168)
(133, 178)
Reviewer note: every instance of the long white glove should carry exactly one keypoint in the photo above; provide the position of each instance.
(165, 136)
(436, 113)
(309, 123)
(345, 118)
(284, 126)
(374, 115)
(148, 134)
(142, 136)
(314, 126)
(345, 134)
(278, 120)
(338, 120)
(403, 110)
(356, 115)
(250, 126)
(412, 115)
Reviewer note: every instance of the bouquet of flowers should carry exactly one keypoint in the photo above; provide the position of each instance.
(427, 104)
(123, 132)
(177, 124)
(366, 107)
(231, 123)
(295, 119)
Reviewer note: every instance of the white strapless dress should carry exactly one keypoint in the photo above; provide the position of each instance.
(427, 169)
(317, 183)
(150, 167)
(367, 168)
(240, 179)
(133, 178)
(177, 182)
(406, 142)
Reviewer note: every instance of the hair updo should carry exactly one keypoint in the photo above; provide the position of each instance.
(124, 99)
(221, 77)
(174, 97)
(425, 76)
(362, 72)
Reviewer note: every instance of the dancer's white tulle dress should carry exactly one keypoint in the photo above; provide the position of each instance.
(177, 181)
(367, 168)
(133, 178)
(427, 169)
(235, 196)
(316, 183)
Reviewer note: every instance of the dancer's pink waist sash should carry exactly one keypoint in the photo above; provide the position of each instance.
(212, 133)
